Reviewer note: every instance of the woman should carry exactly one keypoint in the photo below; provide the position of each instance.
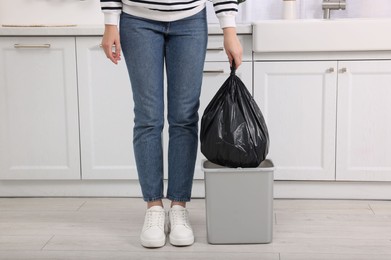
(154, 34)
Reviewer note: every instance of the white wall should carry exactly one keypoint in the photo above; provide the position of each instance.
(88, 11)
(252, 10)
(50, 12)
(354, 8)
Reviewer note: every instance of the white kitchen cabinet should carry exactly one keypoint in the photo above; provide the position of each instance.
(106, 114)
(106, 107)
(298, 101)
(328, 120)
(39, 131)
(215, 74)
(364, 121)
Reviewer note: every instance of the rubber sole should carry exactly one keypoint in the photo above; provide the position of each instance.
(153, 243)
(182, 242)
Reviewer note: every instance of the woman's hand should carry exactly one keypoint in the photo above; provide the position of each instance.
(110, 39)
(232, 46)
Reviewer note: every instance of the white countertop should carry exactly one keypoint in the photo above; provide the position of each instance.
(90, 30)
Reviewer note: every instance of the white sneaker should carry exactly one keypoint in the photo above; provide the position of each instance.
(152, 234)
(181, 233)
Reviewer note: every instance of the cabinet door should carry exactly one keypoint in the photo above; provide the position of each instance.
(215, 74)
(39, 132)
(298, 100)
(106, 114)
(364, 121)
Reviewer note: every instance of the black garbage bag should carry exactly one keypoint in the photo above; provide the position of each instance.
(233, 130)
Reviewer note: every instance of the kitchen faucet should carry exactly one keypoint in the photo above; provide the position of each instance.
(329, 5)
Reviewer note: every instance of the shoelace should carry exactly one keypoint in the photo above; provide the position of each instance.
(154, 218)
(180, 217)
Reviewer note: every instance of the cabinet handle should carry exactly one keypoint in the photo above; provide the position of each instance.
(215, 49)
(343, 70)
(101, 46)
(330, 70)
(32, 46)
(214, 71)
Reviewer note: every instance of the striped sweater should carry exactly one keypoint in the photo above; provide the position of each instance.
(168, 10)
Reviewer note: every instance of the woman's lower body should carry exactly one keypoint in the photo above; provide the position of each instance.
(179, 47)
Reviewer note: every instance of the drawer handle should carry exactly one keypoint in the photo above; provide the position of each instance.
(214, 71)
(215, 49)
(343, 70)
(32, 46)
(330, 70)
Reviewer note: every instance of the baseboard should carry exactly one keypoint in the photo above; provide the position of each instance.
(130, 188)
(332, 190)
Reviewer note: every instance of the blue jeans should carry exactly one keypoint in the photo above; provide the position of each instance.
(181, 46)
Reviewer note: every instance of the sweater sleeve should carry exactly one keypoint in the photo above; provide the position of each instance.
(226, 11)
(111, 10)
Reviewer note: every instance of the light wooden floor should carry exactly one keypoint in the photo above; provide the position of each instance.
(108, 228)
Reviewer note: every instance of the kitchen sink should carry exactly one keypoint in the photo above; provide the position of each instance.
(322, 35)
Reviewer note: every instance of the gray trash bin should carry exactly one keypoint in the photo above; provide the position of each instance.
(239, 203)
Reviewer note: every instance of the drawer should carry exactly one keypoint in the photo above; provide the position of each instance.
(215, 50)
